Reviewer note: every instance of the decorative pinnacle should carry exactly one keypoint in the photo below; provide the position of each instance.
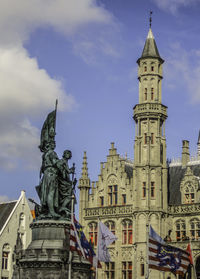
(84, 167)
(150, 18)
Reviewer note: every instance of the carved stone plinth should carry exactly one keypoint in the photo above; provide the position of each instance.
(47, 256)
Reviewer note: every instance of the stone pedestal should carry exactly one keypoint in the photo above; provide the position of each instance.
(47, 255)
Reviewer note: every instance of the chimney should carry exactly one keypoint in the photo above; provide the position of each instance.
(185, 153)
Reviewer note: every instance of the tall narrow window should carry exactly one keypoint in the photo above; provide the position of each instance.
(152, 68)
(5, 260)
(123, 199)
(127, 232)
(101, 201)
(145, 138)
(127, 270)
(152, 138)
(93, 233)
(112, 195)
(152, 189)
(142, 269)
(152, 93)
(109, 270)
(145, 68)
(144, 189)
(180, 230)
(145, 94)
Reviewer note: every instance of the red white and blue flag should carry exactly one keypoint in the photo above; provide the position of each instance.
(165, 257)
(79, 243)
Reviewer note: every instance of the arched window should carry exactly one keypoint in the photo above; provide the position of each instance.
(112, 194)
(93, 233)
(180, 230)
(127, 232)
(189, 194)
(145, 68)
(195, 229)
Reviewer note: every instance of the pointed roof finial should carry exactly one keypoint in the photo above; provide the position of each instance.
(150, 18)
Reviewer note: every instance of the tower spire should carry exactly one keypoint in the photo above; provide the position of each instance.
(84, 174)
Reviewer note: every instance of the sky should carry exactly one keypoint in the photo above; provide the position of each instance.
(83, 53)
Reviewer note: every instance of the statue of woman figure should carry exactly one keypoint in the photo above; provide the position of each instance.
(49, 183)
(65, 184)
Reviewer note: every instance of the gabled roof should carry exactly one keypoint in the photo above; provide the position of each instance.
(5, 211)
(150, 48)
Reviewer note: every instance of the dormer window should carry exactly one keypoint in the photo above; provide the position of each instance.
(189, 196)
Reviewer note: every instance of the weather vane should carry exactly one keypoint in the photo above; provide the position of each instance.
(150, 18)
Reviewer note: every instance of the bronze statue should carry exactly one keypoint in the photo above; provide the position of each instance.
(56, 187)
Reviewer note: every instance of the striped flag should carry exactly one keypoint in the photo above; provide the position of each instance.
(79, 243)
(165, 257)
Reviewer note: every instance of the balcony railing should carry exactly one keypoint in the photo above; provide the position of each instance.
(184, 208)
(151, 108)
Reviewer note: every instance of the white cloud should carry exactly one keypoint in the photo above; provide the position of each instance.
(26, 90)
(184, 64)
(19, 18)
(173, 5)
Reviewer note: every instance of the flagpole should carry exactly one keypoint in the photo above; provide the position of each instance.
(97, 249)
(70, 252)
(72, 216)
(147, 252)
(195, 275)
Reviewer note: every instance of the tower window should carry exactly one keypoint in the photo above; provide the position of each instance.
(144, 190)
(142, 269)
(145, 138)
(127, 270)
(101, 201)
(145, 68)
(152, 93)
(127, 232)
(124, 199)
(145, 94)
(93, 233)
(112, 195)
(152, 189)
(152, 138)
(152, 68)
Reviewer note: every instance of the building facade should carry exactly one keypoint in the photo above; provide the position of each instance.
(130, 195)
(15, 220)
